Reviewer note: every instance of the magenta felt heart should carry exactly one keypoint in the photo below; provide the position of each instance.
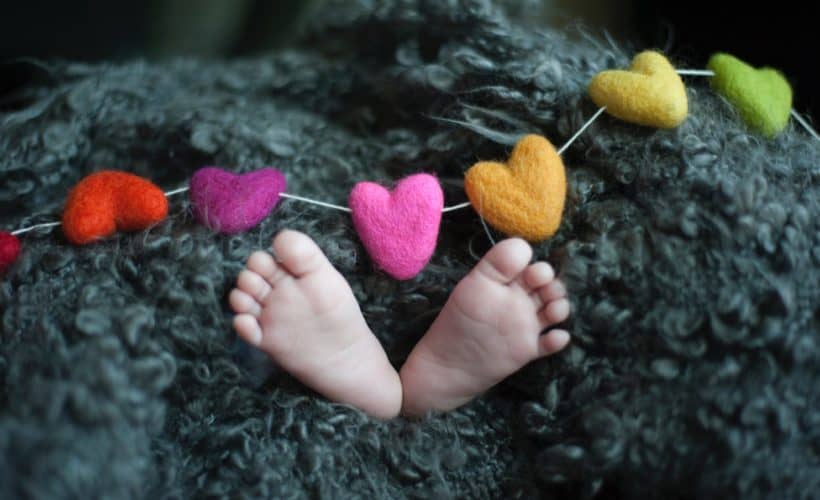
(399, 229)
(230, 203)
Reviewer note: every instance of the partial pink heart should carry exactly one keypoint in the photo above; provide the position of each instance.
(399, 229)
(9, 250)
(230, 203)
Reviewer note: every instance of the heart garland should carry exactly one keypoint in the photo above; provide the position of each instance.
(399, 228)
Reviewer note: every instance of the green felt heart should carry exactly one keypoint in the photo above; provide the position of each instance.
(762, 96)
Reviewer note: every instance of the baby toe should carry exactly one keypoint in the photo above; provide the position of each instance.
(242, 303)
(248, 328)
(555, 312)
(538, 274)
(506, 260)
(253, 285)
(262, 263)
(298, 253)
(552, 342)
(552, 291)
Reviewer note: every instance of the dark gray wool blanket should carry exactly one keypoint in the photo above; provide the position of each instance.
(692, 257)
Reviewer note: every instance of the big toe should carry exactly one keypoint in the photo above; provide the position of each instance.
(506, 260)
(298, 253)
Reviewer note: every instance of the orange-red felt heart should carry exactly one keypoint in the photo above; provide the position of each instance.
(110, 201)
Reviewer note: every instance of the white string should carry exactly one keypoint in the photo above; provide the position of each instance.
(802, 121)
(36, 226)
(483, 222)
(581, 131)
(346, 209)
(487, 229)
(695, 72)
(456, 207)
(315, 202)
(177, 191)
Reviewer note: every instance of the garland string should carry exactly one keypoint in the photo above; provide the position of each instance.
(802, 121)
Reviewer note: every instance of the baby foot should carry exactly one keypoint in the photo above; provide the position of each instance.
(301, 312)
(490, 327)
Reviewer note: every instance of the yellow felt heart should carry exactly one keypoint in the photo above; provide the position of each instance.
(650, 93)
(524, 197)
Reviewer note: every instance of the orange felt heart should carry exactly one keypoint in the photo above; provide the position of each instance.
(107, 201)
(524, 197)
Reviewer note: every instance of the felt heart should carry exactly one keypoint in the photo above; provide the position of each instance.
(763, 97)
(525, 196)
(650, 93)
(9, 250)
(399, 229)
(107, 201)
(230, 203)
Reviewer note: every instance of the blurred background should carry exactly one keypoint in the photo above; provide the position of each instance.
(780, 34)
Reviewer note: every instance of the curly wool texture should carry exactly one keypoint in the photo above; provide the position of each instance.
(691, 256)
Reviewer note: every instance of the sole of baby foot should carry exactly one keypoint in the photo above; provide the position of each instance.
(300, 311)
(491, 326)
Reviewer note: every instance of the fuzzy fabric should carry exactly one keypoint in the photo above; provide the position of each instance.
(763, 97)
(230, 203)
(398, 228)
(107, 201)
(650, 93)
(524, 196)
(691, 258)
(9, 250)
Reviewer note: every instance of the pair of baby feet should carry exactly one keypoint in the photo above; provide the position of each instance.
(301, 311)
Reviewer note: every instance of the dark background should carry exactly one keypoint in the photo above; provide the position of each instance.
(782, 35)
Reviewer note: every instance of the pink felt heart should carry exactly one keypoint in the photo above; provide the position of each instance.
(399, 229)
(230, 203)
(9, 250)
